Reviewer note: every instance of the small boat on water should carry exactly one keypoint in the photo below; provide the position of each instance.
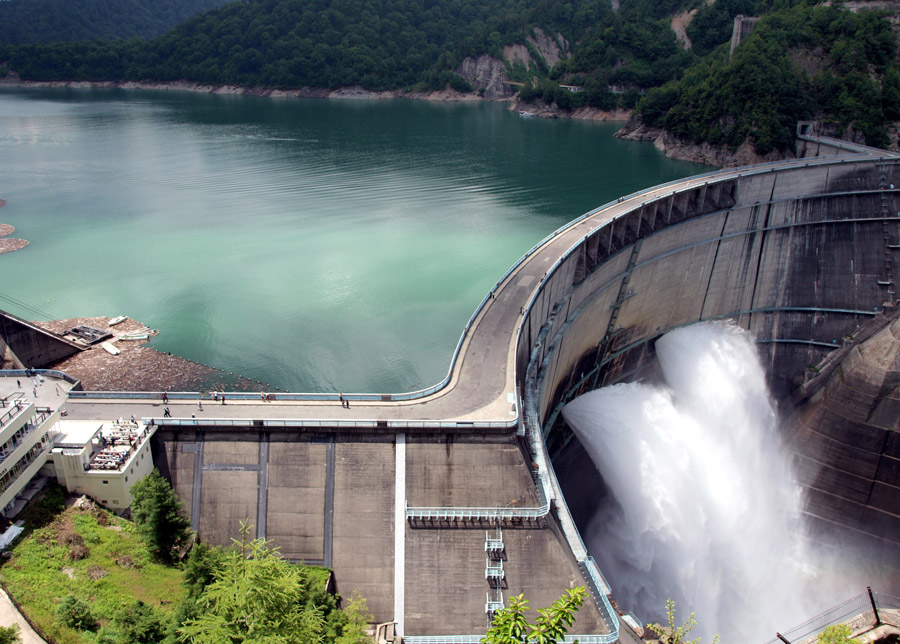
(134, 336)
(117, 320)
(527, 115)
(111, 349)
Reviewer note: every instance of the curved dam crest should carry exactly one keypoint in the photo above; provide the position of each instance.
(401, 495)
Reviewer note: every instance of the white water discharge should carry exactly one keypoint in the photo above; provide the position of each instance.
(705, 511)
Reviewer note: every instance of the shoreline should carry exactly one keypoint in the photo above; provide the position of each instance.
(716, 156)
(354, 92)
(138, 367)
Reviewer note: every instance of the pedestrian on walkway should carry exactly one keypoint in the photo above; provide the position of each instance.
(341, 396)
(199, 405)
(167, 413)
(165, 398)
(18, 384)
(223, 397)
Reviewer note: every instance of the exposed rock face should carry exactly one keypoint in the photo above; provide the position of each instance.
(677, 148)
(680, 24)
(551, 49)
(488, 74)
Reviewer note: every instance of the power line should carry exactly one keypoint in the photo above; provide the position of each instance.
(27, 307)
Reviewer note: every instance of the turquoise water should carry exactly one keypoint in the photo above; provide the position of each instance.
(311, 244)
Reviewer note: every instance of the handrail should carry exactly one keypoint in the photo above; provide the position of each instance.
(28, 373)
(333, 423)
(16, 409)
(485, 513)
(476, 639)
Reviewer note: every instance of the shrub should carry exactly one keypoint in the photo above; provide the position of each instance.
(74, 613)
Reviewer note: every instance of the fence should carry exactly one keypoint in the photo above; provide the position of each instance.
(875, 609)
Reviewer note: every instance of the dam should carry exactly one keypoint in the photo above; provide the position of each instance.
(439, 505)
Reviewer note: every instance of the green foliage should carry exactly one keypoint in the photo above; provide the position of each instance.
(10, 634)
(257, 596)
(676, 634)
(779, 76)
(836, 634)
(118, 568)
(75, 613)
(348, 626)
(509, 625)
(139, 623)
(157, 511)
(33, 21)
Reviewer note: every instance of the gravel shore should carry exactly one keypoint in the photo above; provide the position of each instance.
(139, 367)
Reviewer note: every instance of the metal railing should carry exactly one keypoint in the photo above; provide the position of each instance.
(867, 602)
(28, 373)
(336, 423)
(475, 513)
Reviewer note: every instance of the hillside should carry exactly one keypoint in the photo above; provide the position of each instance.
(33, 21)
(801, 61)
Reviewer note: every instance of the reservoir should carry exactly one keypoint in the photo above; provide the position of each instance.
(315, 245)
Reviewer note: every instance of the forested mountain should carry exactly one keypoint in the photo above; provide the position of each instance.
(801, 60)
(31, 21)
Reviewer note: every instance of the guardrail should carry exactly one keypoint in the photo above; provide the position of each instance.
(867, 602)
(476, 639)
(299, 423)
(475, 513)
(30, 373)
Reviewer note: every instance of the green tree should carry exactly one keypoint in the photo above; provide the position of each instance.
(257, 597)
(10, 634)
(836, 634)
(509, 625)
(348, 626)
(75, 613)
(138, 622)
(157, 511)
(676, 634)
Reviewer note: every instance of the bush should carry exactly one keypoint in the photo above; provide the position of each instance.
(9, 634)
(836, 634)
(74, 613)
(139, 623)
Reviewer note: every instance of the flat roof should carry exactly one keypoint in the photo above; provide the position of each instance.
(77, 433)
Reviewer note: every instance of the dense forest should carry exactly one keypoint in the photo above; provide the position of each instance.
(32, 21)
(801, 61)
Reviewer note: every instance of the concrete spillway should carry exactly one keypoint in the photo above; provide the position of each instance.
(804, 258)
(400, 493)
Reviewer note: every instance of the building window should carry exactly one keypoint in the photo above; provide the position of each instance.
(105, 483)
(115, 502)
(126, 479)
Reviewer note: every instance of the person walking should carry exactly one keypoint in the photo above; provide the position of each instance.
(199, 405)
(167, 413)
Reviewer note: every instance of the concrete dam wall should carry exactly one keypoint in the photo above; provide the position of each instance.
(401, 494)
(802, 256)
